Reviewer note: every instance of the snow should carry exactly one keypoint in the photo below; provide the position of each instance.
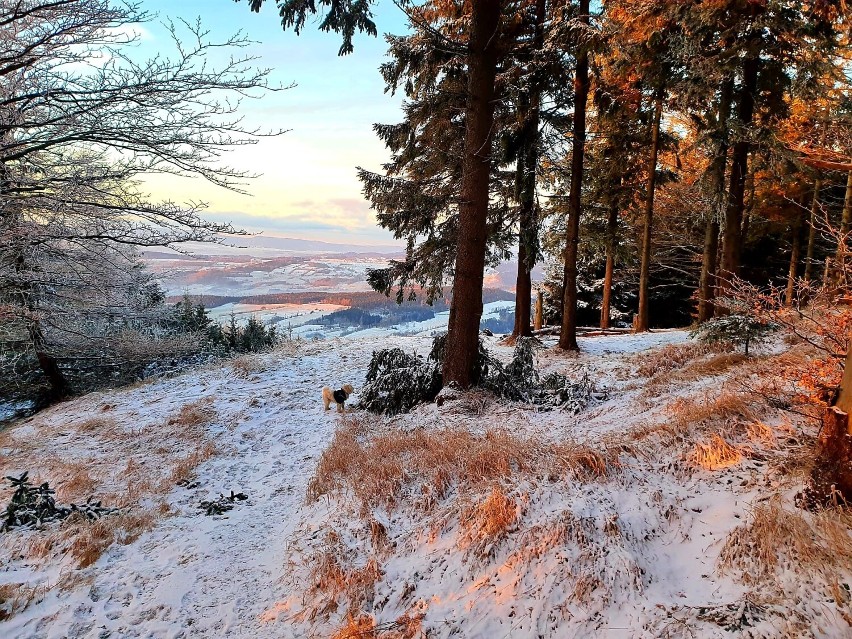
(281, 314)
(647, 567)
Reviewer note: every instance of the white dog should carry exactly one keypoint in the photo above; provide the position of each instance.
(338, 397)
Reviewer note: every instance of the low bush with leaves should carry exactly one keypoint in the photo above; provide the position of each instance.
(397, 381)
(32, 506)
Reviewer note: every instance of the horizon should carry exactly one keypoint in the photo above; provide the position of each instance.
(308, 188)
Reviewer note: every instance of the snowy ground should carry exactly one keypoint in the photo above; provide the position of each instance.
(636, 555)
(282, 314)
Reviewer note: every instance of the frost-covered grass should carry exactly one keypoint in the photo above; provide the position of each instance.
(665, 510)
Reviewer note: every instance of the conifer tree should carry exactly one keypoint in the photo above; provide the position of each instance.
(568, 333)
(483, 46)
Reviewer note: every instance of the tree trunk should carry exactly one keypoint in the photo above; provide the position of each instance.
(840, 255)
(831, 477)
(568, 333)
(709, 261)
(49, 365)
(809, 254)
(642, 318)
(611, 231)
(539, 311)
(796, 231)
(527, 169)
(466, 307)
(523, 295)
(732, 233)
(25, 294)
(708, 269)
(526, 244)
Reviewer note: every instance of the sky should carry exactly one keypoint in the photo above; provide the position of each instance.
(308, 188)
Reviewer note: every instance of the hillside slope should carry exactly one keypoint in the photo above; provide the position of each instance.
(664, 510)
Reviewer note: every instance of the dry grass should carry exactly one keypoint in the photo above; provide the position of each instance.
(121, 465)
(715, 454)
(762, 434)
(728, 407)
(97, 425)
(334, 581)
(78, 483)
(245, 366)
(363, 626)
(777, 537)
(184, 468)
(376, 468)
(92, 538)
(673, 356)
(86, 540)
(712, 365)
(194, 415)
(491, 519)
(17, 597)
(357, 626)
(692, 370)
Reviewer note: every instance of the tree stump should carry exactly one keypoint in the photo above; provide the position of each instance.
(831, 476)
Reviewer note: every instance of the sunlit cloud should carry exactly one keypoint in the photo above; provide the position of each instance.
(307, 184)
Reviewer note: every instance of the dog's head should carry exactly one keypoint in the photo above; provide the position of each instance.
(348, 388)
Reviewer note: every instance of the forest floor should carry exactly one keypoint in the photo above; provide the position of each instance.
(665, 509)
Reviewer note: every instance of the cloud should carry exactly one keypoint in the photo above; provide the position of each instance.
(312, 224)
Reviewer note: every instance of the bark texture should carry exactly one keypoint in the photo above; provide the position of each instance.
(611, 231)
(527, 168)
(466, 305)
(732, 232)
(539, 311)
(709, 261)
(642, 323)
(809, 254)
(796, 232)
(831, 477)
(568, 333)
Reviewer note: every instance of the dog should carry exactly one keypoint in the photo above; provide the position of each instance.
(338, 397)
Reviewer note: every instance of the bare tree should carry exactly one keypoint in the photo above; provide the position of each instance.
(81, 120)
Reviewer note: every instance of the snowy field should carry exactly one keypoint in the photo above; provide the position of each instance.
(283, 314)
(427, 327)
(633, 550)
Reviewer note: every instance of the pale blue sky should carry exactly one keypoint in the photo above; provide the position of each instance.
(309, 188)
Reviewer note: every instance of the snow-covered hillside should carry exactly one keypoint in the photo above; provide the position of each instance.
(476, 518)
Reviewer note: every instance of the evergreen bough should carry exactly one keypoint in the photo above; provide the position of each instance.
(32, 506)
(739, 329)
(397, 381)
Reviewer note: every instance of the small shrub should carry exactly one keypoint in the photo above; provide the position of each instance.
(31, 506)
(397, 381)
(737, 329)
